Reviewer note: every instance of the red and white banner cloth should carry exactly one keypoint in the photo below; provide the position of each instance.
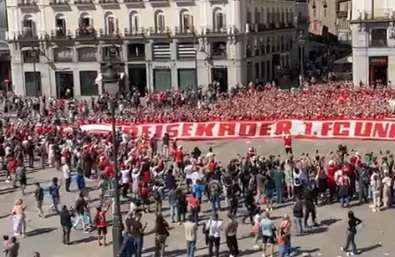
(328, 129)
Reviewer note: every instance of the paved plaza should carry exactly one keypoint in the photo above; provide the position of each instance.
(374, 238)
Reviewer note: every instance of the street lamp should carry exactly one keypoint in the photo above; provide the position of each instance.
(111, 86)
(301, 41)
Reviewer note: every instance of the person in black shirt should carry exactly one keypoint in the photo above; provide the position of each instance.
(353, 222)
(39, 197)
(65, 221)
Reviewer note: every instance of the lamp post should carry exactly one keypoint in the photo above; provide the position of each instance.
(301, 42)
(111, 86)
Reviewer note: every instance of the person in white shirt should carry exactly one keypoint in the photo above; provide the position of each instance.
(125, 180)
(66, 174)
(214, 228)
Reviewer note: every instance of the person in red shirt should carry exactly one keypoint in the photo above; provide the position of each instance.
(330, 174)
(101, 225)
(288, 144)
(109, 170)
(193, 205)
(11, 168)
(179, 159)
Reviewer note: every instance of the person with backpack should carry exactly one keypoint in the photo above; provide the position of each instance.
(54, 192)
(101, 225)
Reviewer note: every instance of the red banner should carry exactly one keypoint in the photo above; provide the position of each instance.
(328, 129)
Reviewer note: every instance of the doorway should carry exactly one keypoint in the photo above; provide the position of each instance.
(378, 70)
(64, 84)
(220, 75)
(138, 78)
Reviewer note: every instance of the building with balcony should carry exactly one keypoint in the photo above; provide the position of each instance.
(343, 16)
(155, 44)
(4, 50)
(373, 41)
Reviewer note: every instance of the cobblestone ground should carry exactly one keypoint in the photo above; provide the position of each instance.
(374, 239)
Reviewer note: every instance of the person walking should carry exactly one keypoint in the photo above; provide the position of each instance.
(190, 236)
(136, 231)
(214, 229)
(66, 223)
(344, 188)
(284, 237)
(231, 236)
(298, 215)
(54, 192)
(387, 183)
(21, 177)
(39, 197)
(375, 183)
(161, 234)
(19, 218)
(353, 222)
(66, 174)
(268, 230)
(80, 206)
(101, 225)
(173, 203)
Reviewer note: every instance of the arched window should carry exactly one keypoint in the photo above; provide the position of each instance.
(219, 20)
(60, 21)
(134, 20)
(160, 22)
(186, 21)
(29, 26)
(111, 25)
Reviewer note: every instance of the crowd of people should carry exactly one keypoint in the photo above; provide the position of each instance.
(333, 100)
(153, 173)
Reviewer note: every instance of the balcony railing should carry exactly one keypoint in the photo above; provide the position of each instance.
(58, 2)
(27, 3)
(133, 1)
(184, 30)
(61, 34)
(27, 35)
(109, 34)
(343, 25)
(160, 31)
(134, 32)
(103, 2)
(85, 33)
(83, 2)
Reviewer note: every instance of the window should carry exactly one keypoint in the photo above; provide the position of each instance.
(60, 25)
(161, 51)
(63, 54)
(88, 83)
(162, 79)
(85, 25)
(111, 53)
(134, 22)
(33, 83)
(186, 79)
(218, 49)
(186, 21)
(160, 25)
(257, 17)
(30, 56)
(87, 54)
(378, 37)
(186, 51)
(219, 21)
(325, 11)
(29, 26)
(136, 51)
(110, 24)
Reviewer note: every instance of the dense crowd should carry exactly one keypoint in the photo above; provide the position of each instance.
(334, 100)
(157, 173)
